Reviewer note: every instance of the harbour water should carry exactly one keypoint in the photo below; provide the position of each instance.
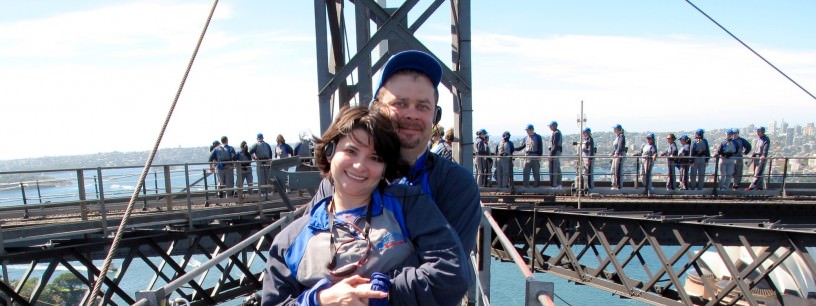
(507, 285)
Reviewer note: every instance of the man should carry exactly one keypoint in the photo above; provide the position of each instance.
(700, 153)
(504, 168)
(618, 152)
(762, 145)
(221, 162)
(555, 153)
(262, 152)
(588, 151)
(648, 153)
(407, 94)
(482, 149)
(725, 152)
(532, 146)
(671, 161)
(743, 148)
(684, 160)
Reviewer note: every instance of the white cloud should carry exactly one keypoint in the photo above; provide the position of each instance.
(645, 84)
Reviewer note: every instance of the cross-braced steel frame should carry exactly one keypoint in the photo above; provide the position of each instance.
(166, 254)
(661, 259)
(393, 33)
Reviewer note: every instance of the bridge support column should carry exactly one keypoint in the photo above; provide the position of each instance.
(336, 64)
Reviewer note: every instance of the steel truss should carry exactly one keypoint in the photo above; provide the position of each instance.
(166, 253)
(614, 251)
(336, 64)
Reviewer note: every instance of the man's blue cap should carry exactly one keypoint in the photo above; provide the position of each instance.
(587, 130)
(506, 134)
(729, 132)
(216, 143)
(684, 136)
(554, 123)
(530, 127)
(617, 126)
(414, 60)
(650, 135)
(259, 135)
(761, 129)
(482, 131)
(700, 132)
(735, 130)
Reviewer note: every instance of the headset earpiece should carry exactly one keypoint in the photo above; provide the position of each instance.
(328, 150)
(437, 115)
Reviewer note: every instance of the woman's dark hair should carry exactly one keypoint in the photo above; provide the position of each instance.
(383, 136)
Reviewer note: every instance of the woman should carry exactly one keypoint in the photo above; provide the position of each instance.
(328, 256)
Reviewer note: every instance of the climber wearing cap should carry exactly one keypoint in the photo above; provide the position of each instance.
(504, 167)
(618, 152)
(648, 153)
(407, 94)
(482, 150)
(671, 161)
(700, 153)
(743, 148)
(725, 152)
(262, 152)
(555, 153)
(684, 160)
(532, 147)
(588, 150)
(762, 145)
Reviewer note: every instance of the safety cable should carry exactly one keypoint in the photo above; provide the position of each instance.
(752, 50)
(118, 236)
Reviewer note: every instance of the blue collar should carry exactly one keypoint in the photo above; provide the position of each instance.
(319, 219)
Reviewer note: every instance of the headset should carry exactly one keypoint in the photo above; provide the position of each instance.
(328, 149)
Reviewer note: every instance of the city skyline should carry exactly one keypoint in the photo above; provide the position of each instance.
(98, 76)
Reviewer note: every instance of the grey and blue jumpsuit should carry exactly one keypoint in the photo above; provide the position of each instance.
(588, 151)
(701, 154)
(726, 152)
(555, 158)
(532, 148)
(762, 145)
(618, 153)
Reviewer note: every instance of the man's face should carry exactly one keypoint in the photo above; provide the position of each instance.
(409, 100)
(530, 132)
(760, 133)
(617, 130)
(553, 128)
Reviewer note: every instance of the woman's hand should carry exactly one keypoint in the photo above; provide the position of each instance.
(350, 292)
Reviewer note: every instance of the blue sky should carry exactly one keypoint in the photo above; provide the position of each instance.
(98, 76)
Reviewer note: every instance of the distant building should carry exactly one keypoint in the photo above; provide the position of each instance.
(772, 127)
(789, 134)
(798, 129)
(810, 130)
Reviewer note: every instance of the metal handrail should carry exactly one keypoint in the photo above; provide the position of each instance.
(508, 246)
(153, 297)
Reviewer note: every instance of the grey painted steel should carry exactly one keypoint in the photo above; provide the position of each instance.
(461, 86)
(394, 34)
(604, 249)
(323, 75)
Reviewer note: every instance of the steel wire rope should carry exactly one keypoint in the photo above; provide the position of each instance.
(118, 235)
(752, 50)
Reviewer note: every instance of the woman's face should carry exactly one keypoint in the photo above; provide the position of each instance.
(355, 167)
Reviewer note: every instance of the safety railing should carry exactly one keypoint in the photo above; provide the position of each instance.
(36, 191)
(161, 295)
(781, 174)
(536, 292)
